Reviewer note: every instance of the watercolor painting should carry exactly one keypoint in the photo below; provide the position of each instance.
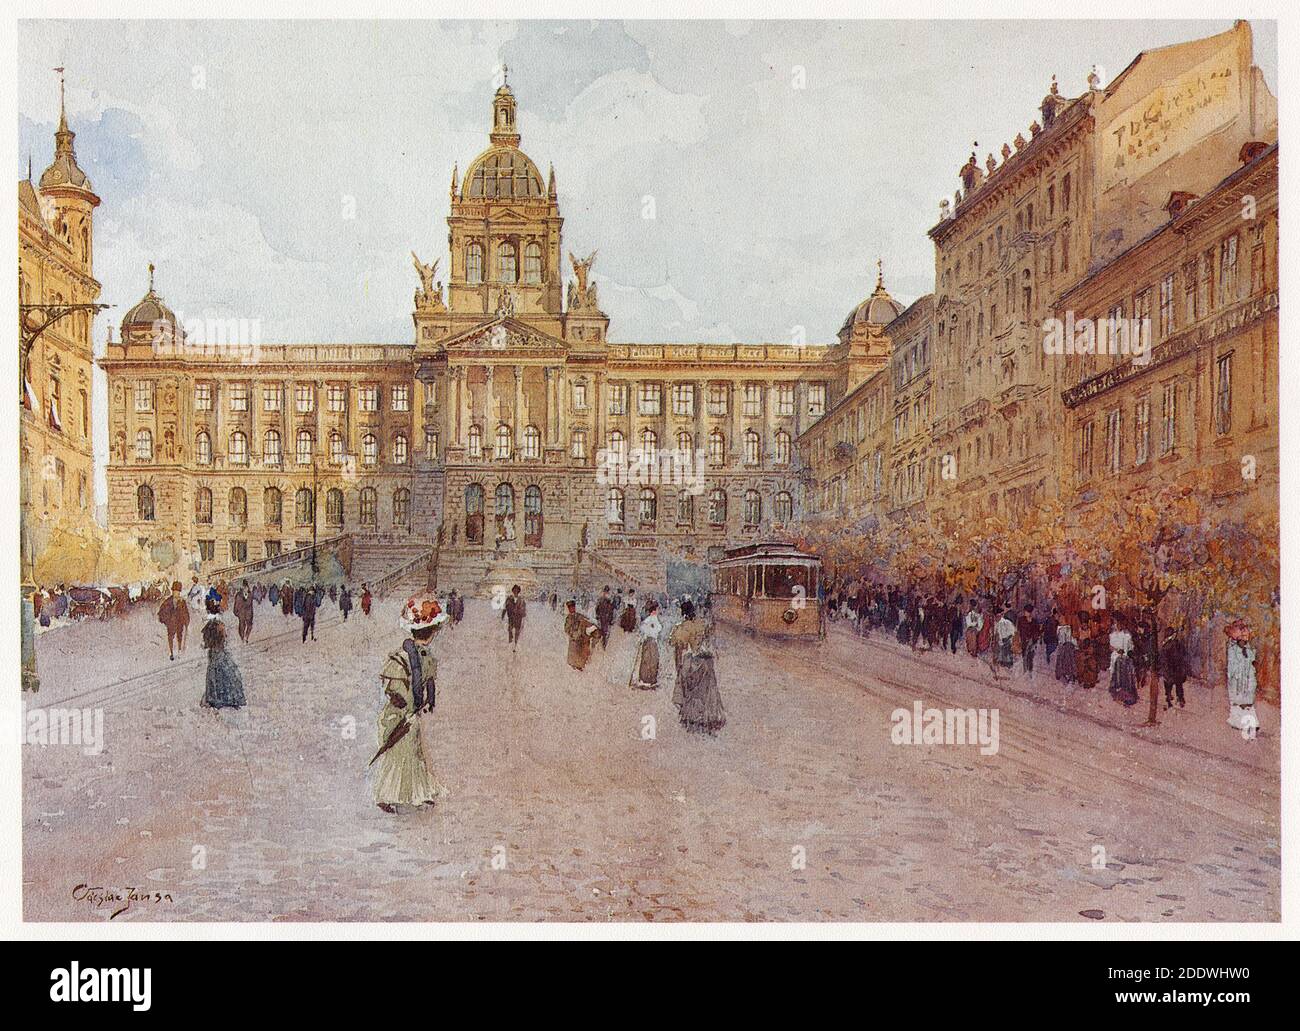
(650, 471)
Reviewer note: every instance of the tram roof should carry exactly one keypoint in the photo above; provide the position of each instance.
(767, 551)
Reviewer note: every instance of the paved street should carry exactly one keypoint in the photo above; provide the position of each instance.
(559, 809)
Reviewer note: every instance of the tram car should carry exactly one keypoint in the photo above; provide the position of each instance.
(769, 589)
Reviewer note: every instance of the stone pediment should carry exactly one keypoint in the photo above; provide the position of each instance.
(504, 334)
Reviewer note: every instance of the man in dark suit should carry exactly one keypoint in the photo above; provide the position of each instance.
(604, 616)
(513, 613)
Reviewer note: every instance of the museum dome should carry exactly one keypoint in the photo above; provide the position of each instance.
(503, 171)
(879, 309)
(149, 311)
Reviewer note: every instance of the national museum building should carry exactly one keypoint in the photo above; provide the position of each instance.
(512, 422)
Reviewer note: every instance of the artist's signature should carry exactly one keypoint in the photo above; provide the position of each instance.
(118, 900)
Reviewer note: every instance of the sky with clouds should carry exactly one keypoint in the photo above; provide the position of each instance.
(783, 158)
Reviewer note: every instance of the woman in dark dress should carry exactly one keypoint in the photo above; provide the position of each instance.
(699, 705)
(225, 687)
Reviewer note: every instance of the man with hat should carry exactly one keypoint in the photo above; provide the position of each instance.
(513, 612)
(408, 679)
(580, 632)
(174, 614)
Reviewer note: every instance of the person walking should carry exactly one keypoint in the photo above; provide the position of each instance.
(1028, 629)
(514, 611)
(1123, 679)
(974, 626)
(308, 613)
(408, 680)
(1067, 668)
(645, 668)
(1173, 666)
(1004, 631)
(604, 617)
(345, 602)
(695, 692)
(366, 599)
(243, 609)
(1242, 680)
(224, 686)
(581, 632)
(174, 614)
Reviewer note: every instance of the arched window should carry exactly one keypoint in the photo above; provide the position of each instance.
(647, 507)
(144, 446)
(401, 508)
(474, 514)
(238, 507)
(717, 448)
(533, 263)
(203, 506)
(507, 262)
(505, 500)
(533, 516)
(753, 448)
(782, 455)
(203, 448)
(717, 506)
(753, 508)
(685, 446)
(400, 449)
(334, 507)
(474, 264)
(144, 503)
(336, 447)
(685, 508)
(272, 448)
(532, 442)
(617, 448)
(475, 442)
(369, 507)
(614, 507)
(649, 447)
(783, 508)
(304, 506)
(369, 449)
(238, 448)
(504, 438)
(304, 447)
(272, 506)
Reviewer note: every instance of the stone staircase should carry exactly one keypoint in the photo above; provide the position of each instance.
(476, 572)
(376, 557)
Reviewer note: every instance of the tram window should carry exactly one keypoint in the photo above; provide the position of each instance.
(782, 580)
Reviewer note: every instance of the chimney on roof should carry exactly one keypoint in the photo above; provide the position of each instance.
(1251, 150)
(1178, 202)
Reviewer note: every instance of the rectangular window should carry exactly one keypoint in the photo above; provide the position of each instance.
(785, 399)
(337, 397)
(753, 403)
(1084, 459)
(207, 550)
(580, 395)
(618, 399)
(368, 398)
(816, 400)
(1167, 306)
(1169, 419)
(649, 399)
(203, 397)
(578, 445)
(1114, 441)
(239, 551)
(1223, 394)
(272, 549)
(1228, 270)
(717, 399)
(684, 399)
(401, 397)
(1142, 432)
(144, 395)
(304, 395)
(272, 398)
